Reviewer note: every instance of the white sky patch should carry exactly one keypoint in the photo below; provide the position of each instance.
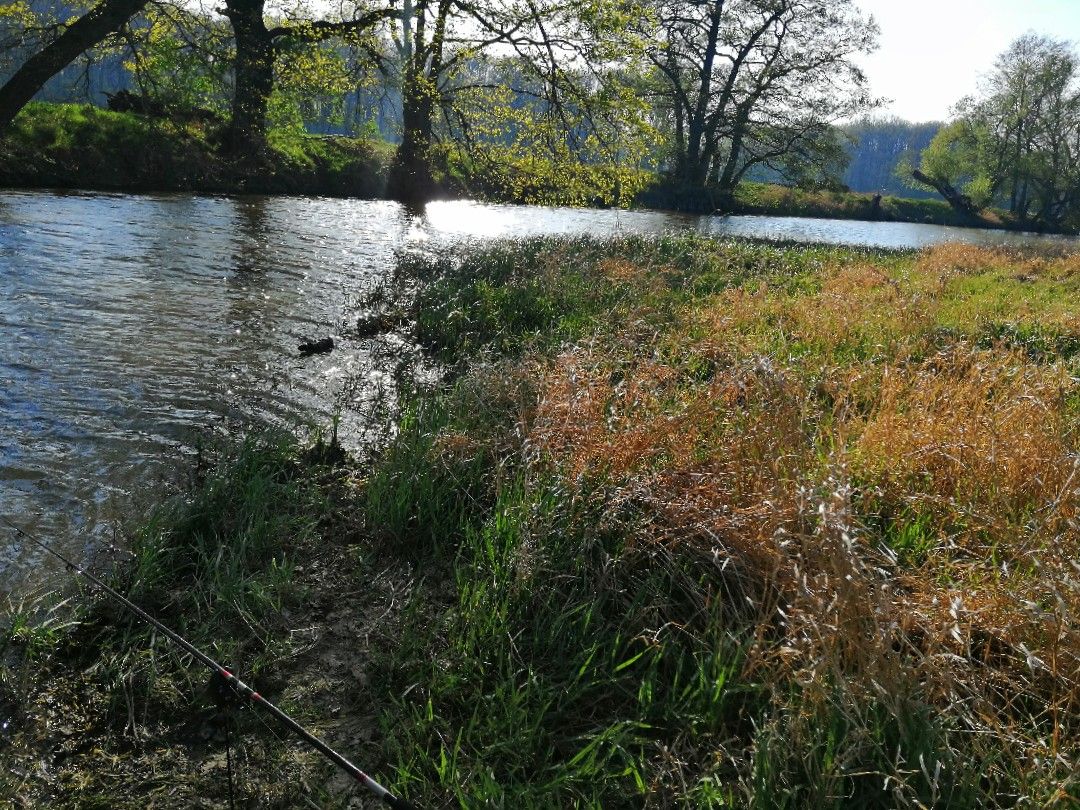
(933, 52)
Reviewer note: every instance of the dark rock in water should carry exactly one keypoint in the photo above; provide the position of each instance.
(323, 346)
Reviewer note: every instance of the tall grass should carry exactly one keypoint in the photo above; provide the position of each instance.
(686, 523)
(765, 528)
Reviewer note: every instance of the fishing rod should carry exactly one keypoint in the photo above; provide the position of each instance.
(228, 677)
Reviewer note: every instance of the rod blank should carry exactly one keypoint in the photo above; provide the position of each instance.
(234, 682)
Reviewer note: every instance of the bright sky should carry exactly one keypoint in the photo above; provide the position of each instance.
(932, 52)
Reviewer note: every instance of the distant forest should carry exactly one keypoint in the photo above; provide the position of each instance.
(878, 145)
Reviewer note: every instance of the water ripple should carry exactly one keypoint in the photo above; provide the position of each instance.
(129, 324)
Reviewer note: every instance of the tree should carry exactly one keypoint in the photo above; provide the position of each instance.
(504, 135)
(15, 19)
(1017, 144)
(550, 68)
(745, 83)
(103, 19)
(179, 58)
(951, 166)
(535, 92)
(257, 47)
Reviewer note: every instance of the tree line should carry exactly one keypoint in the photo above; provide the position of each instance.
(1016, 143)
(525, 91)
(880, 155)
(601, 95)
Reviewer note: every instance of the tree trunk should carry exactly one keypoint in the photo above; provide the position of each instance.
(1024, 205)
(81, 35)
(728, 179)
(411, 180)
(680, 118)
(410, 177)
(696, 169)
(960, 202)
(253, 77)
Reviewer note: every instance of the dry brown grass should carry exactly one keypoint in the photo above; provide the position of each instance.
(622, 271)
(863, 308)
(794, 487)
(947, 261)
(866, 470)
(981, 428)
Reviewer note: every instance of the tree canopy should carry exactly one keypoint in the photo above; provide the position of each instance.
(745, 83)
(524, 95)
(1017, 143)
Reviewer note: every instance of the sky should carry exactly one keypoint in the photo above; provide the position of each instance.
(932, 52)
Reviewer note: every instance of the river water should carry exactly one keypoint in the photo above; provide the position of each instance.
(131, 325)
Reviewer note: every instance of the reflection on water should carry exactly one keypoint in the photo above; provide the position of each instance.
(130, 323)
(875, 234)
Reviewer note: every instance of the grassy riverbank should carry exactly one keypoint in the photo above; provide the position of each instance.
(86, 147)
(783, 201)
(773, 200)
(685, 523)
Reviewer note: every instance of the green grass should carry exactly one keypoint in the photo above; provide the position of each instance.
(331, 165)
(769, 199)
(764, 198)
(582, 659)
(82, 146)
(230, 545)
(217, 564)
(518, 294)
(685, 523)
(533, 687)
(565, 668)
(70, 126)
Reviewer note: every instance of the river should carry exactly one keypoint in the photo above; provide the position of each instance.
(131, 325)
